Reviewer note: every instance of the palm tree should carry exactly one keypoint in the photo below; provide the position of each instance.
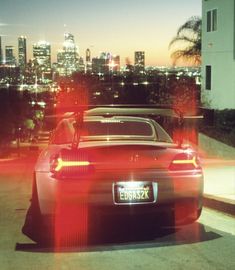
(187, 42)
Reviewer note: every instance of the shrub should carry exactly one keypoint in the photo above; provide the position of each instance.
(223, 128)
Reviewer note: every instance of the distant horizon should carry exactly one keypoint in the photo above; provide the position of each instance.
(102, 26)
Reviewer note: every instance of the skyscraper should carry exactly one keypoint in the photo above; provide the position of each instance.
(22, 54)
(68, 37)
(88, 55)
(68, 58)
(88, 61)
(42, 60)
(99, 66)
(107, 58)
(115, 63)
(139, 66)
(9, 54)
(42, 54)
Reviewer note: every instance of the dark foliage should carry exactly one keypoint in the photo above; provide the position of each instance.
(15, 108)
(223, 128)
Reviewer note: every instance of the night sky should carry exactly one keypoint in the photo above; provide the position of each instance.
(117, 26)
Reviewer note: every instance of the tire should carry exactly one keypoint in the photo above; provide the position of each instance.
(189, 214)
(193, 217)
(33, 220)
(40, 228)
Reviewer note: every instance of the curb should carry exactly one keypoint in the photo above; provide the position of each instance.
(220, 204)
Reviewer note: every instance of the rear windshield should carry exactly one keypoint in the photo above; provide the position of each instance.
(117, 128)
(104, 129)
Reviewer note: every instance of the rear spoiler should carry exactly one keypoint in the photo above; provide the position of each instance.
(125, 110)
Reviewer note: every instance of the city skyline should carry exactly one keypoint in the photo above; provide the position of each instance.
(120, 28)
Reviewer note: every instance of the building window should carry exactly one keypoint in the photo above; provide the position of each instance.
(211, 20)
(208, 77)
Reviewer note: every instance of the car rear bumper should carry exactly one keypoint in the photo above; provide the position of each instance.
(176, 193)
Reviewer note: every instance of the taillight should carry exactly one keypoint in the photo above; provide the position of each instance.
(185, 161)
(60, 164)
(70, 163)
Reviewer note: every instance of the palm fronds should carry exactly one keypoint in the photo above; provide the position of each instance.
(187, 42)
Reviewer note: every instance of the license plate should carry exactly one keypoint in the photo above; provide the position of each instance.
(133, 192)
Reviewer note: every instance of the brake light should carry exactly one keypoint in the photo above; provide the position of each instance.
(70, 163)
(62, 163)
(185, 161)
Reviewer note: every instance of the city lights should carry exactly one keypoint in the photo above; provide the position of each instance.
(39, 71)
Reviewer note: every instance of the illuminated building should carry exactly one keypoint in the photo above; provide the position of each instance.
(106, 64)
(22, 54)
(139, 66)
(218, 54)
(68, 59)
(81, 65)
(42, 59)
(115, 64)
(42, 54)
(88, 61)
(129, 68)
(9, 55)
(99, 66)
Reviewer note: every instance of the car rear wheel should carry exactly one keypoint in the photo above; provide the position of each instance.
(33, 220)
(185, 213)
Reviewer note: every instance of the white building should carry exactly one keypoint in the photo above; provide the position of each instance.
(218, 54)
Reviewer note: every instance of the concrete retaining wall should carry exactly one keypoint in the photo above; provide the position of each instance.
(212, 148)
